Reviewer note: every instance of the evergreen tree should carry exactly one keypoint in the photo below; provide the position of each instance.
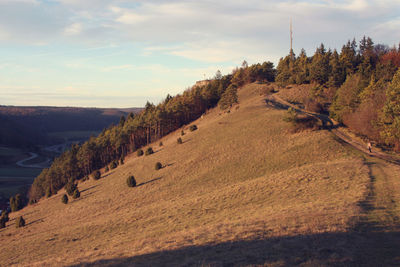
(391, 113)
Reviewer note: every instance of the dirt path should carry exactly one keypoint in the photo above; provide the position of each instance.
(334, 127)
(375, 237)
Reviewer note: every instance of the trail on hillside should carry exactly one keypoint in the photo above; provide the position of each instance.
(375, 237)
(333, 127)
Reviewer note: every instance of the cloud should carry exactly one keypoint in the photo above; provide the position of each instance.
(73, 29)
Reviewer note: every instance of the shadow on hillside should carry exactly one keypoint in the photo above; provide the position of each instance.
(150, 181)
(108, 174)
(89, 188)
(328, 249)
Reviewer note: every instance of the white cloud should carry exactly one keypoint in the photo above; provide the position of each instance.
(73, 29)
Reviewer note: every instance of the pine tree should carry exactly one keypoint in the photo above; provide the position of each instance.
(391, 113)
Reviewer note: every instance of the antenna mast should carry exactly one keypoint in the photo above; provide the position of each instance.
(291, 40)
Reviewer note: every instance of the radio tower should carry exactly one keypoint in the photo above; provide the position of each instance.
(291, 41)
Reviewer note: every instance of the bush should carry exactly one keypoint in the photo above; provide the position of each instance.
(20, 222)
(64, 199)
(76, 194)
(85, 178)
(113, 165)
(158, 166)
(131, 181)
(97, 175)
(291, 115)
(182, 133)
(179, 140)
(70, 187)
(149, 151)
(106, 169)
(193, 127)
(160, 144)
(139, 152)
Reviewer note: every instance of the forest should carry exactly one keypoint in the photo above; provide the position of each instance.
(135, 131)
(359, 87)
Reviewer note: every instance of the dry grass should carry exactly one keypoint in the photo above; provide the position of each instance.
(240, 178)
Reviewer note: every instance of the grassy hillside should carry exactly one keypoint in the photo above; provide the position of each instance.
(242, 189)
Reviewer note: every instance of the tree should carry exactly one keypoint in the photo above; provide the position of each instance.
(16, 202)
(391, 113)
(70, 187)
(229, 97)
(319, 69)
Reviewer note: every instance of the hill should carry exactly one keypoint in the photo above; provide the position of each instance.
(243, 189)
(33, 124)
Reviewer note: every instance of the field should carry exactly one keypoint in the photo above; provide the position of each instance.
(12, 177)
(241, 190)
(74, 135)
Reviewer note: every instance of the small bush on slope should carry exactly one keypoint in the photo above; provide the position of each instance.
(20, 222)
(64, 199)
(131, 182)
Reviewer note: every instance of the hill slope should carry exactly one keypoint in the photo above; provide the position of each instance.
(240, 190)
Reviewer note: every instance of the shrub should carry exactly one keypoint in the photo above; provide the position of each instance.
(193, 127)
(76, 194)
(179, 140)
(149, 151)
(64, 199)
(160, 144)
(291, 115)
(85, 178)
(20, 222)
(158, 166)
(182, 133)
(131, 181)
(97, 175)
(70, 187)
(106, 169)
(113, 165)
(139, 152)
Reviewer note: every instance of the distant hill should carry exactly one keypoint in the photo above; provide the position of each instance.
(31, 125)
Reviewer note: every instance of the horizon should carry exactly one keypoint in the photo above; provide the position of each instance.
(121, 54)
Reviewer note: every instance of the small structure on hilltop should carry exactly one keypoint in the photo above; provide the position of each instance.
(202, 82)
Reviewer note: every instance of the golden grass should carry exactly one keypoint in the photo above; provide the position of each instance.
(241, 176)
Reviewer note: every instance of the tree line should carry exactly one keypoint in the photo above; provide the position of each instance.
(136, 131)
(360, 85)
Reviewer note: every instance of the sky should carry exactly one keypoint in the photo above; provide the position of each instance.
(119, 53)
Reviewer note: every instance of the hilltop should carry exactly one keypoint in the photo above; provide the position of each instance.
(242, 189)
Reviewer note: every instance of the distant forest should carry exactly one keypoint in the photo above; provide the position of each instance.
(26, 127)
(359, 87)
(154, 122)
